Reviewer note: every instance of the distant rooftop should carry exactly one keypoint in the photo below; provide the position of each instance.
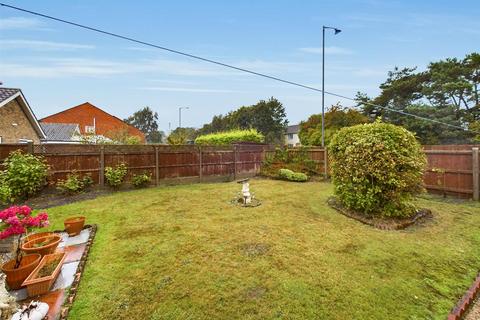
(6, 93)
(59, 131)
(293, 129)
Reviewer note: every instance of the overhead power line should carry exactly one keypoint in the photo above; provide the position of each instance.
(226, 65)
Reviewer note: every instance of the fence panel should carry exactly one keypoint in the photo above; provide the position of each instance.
(450, 167)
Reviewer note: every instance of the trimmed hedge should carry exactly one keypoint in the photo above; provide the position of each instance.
(230, 137)
(287, 174)
(377, 168)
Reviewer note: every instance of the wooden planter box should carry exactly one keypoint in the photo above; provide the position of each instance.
(37, 286)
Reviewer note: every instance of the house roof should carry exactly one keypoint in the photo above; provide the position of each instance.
(86, 114)
(9, 94)
(293, 129)
(6, 93)
(60, 131)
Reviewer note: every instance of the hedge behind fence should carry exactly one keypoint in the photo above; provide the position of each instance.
(230, 137)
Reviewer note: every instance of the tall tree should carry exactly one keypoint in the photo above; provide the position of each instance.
(447, 91)
(182, 135)
(268, 117)
(336, 118)
(146, 120)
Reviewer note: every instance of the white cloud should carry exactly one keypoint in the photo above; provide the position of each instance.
(38, 45)
(328, 50)
(182, 89)
(13, 23)
(68, 67)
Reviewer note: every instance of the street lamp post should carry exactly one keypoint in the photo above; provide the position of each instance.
(337, 31)
(180, 115)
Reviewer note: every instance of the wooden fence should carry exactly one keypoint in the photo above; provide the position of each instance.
(452, 169)
(163, 163)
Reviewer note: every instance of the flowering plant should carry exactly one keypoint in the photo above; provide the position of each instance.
(18, 220)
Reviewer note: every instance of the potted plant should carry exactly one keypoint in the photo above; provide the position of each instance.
(42, 245)
(17, 221)
(74, 225)
(36, 235)
(42, 278)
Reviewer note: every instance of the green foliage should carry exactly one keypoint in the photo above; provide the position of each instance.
(24, 174)
(336, 118)
(74, 184)
(5, 193)
(297, 160)
(115, 176)
(146, 121)
(267, 117)
(448, 91)
(141, 180)
(287, 174)
(181, 136)
(376, 168)
(230, 137)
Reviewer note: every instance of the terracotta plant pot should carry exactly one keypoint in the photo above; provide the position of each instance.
(34, 246)
(37, 285)
(74, 225)
(36, 236)
(15, 277)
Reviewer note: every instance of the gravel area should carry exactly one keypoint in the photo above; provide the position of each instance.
(474, 313)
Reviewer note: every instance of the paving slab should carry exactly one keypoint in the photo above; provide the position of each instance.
(74, 248)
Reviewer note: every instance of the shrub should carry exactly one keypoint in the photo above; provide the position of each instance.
(141, 180)
(377, 168)
(87, 181)
(230, 137)
(74, 184)
(296, 160)
(115, 176)
(5, 193)
(24, 174)
(289, 175)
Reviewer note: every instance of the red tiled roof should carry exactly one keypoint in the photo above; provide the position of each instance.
(84, 115)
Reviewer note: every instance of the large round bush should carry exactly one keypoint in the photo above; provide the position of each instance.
(376, 168)
(24, 174)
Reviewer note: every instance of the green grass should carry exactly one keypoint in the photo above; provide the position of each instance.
(185, 252)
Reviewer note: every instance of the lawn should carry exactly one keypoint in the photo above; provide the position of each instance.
(185, 252)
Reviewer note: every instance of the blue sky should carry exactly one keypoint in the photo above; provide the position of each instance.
(59, 66)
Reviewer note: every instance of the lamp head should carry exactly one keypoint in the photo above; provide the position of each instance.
(337, 31)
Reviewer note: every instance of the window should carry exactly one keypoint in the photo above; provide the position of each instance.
(290, 136)
(89, 129)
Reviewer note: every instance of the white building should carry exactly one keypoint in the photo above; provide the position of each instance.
(291, 136)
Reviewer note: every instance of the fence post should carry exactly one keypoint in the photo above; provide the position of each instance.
(475, 174)
(325, 162)
(157, 167)
(101, 176)
(234, 162)
(200, 162)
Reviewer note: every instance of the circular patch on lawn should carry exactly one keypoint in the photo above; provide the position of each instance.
(381, 223)
(239, 202)
(254, 249)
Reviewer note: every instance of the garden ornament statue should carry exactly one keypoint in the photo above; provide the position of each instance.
(34, 311)
(247, 197)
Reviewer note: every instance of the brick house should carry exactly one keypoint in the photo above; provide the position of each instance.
(17, 121)
(94, 121)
